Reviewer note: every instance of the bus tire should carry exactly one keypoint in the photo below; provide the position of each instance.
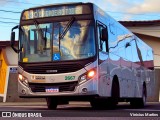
(94, 103)
(115, 93)
(97, 104)
(140, 102)
(51, 103)
(112, 102)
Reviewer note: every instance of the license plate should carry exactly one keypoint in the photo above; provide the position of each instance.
(52, 90)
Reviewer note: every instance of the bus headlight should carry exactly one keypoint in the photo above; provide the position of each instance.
(88, 75)
(23, 79)
(20, 77)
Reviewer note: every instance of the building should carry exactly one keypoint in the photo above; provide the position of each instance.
(149, 32)
(9, 75)
(8, 60)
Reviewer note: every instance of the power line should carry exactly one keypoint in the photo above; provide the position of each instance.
(8, 18)
(144, 14)
(106, 11)
(10, 11)
(21, 2)
(7, 26)
(8, 22)
(2, 25)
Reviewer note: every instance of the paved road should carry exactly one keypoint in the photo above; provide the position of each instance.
(78, 109)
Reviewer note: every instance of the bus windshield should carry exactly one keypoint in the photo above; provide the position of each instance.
(43, 43)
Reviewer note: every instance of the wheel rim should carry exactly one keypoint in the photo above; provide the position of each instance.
(144, 95)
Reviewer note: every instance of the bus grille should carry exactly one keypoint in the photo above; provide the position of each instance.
(51, 68)
(63, 87)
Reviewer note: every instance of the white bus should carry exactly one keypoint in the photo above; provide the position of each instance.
(78, 52)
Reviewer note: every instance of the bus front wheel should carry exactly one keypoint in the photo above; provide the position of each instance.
(51, 103)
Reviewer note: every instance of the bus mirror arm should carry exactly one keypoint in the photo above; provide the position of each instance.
(107, 48)
(13, 39)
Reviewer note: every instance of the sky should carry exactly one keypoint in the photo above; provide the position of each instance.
(121, 10)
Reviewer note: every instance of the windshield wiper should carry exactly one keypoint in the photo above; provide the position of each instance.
(45, 37)
(65, 30)
(67, 27)
(41, 32)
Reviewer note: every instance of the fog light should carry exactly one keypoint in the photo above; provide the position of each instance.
(84, 90)
(23, 92)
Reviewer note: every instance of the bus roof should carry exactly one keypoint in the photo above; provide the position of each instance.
(59, 4)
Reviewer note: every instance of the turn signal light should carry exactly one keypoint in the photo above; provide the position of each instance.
(87, 76)
(91, 74)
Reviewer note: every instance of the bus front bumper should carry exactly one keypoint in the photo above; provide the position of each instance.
(36, 90)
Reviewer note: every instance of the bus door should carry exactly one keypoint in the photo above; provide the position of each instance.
(102, 35)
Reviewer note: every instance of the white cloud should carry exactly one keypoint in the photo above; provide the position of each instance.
(126, 17)
(5, 2)
(148, 6)
(126, 9)
(137, 6)
(2, 2)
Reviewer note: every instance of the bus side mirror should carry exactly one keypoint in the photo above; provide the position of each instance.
(13, 39)
(104, 36)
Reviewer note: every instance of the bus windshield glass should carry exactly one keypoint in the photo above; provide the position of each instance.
(43, 43)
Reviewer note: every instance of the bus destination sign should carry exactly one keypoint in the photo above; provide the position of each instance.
(54, 11)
